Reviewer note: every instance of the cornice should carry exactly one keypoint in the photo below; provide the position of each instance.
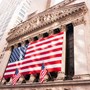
(47, 17)
(48, 84)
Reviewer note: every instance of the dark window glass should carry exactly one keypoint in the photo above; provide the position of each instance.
(45, 34)
(36, 78)
(35, 38)
(26, 42)
(27, 77)
(52, 76)
(57, 30)
(12, 48)
(19, 44)
(69, 51)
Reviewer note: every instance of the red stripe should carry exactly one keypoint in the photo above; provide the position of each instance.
(29, 61)
(43, 58)
(38, 65)
(48, 44)
(34, 72)
(10, 70)
(42, 39)
(15, 78)
(54, 69)
(42, 75)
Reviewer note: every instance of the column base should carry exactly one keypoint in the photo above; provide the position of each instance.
(82, 77)
(3, 81)
(31, 79)
(68, 77)
(20, 80)
(61, 76)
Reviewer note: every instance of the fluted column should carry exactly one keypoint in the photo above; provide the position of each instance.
(61, 74)
(4, 62)
(80, 52)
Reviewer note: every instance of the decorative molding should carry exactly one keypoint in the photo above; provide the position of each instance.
(61, 15)
(49, 85)
(79, 21)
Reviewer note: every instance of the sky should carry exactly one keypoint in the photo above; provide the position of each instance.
(57, 1)
(0, 1)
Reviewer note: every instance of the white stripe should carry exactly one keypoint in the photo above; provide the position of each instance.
(35, 68)
(8, 73)
(46, 55)
(43, 50)
(36, 53)
(48, 49)
(43, 41)
(43, 45)
(43, 73)
(36, 62)
(39, 68)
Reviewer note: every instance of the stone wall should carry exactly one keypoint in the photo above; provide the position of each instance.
(63, 85)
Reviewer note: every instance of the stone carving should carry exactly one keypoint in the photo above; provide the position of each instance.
(79, 21)
(63, 14)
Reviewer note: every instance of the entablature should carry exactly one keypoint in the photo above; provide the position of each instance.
(40, 22)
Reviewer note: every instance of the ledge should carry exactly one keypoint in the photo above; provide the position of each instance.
(49, 84)
(45, 18)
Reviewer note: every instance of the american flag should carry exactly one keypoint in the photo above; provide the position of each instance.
(16, 77)
(16, 57)
(46, 50)
(42, 73)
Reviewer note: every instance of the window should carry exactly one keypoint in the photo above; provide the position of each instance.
(22, 15)
(69, 52)
(45, 34)
(57, 30)
(35, 38)
(12, 47)
(22, 11)
(26, 42)
(19, 44)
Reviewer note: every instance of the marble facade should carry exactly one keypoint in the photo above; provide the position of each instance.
(57, 16)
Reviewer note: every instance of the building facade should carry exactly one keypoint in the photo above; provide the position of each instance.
(14, 13)
(9, 18)
(71, 17)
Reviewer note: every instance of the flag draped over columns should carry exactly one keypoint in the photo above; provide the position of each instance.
(29, 61)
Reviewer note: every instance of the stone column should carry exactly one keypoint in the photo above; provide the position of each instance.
(61, 74)
(20, 80)
(32, 77)
(4, 62)
(80, 53)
